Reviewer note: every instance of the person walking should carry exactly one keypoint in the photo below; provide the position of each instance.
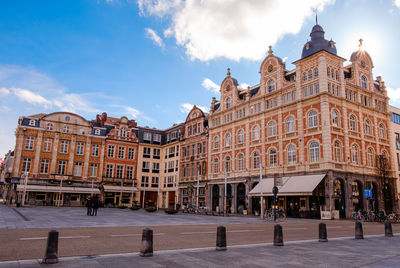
(96, 204)
(89, 206)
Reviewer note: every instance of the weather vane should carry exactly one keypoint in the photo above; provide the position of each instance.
(315, 10)
(360, 44)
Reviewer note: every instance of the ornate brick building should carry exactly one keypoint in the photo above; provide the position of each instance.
(318, 128)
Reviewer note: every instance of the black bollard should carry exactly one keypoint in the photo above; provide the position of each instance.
(323, 237)
(359, 231)
(221, 238)
(388, 229)
(278, 236)
(52, 248)
(146, 249)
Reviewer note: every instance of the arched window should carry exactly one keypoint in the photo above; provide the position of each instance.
(240, 162)
(305, 77)
(228, 164)
(271, 129)
(228, 139)
(353, 123)
(328, 72)
(312, 119)
(240, 136)
(355, 154)
(228, 103)
(255, 133)
(370, 157)
(291, 154)
(256, 159)
(363, 82)
(271, 85)
(316, 72)
(290, 124)
(382, 131)
(314, 152)
(337, 76)
(367, 127)
(335, 118)
(216, 142)
(337, 151)
(272, 157)
(309, 75)
(216, 165)
(49, 126)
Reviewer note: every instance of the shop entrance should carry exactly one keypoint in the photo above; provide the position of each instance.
(215, 197)
(293, 206)
(255, 201)
(241, 198)
(340, 197)
(357, 194)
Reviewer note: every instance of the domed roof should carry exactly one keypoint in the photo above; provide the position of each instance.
(318, 43)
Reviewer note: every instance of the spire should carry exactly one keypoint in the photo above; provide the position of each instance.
(229, 72)
(360, 44)
(270, 50)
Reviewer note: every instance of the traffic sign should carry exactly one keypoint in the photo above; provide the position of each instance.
(368, 193)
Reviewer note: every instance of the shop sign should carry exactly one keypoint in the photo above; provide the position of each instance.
(326, 215)
(14, 180)
(368, 193)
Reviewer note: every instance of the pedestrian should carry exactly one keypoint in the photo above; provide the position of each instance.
(89, 206)
(92, 205)
(96, 204)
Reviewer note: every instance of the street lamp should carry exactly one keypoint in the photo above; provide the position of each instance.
(25, 186)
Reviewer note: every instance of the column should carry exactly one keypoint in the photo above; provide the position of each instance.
(38, 148)
(54, 155)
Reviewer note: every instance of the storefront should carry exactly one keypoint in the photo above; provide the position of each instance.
(117, 195)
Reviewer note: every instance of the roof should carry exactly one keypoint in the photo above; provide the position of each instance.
(318, 43)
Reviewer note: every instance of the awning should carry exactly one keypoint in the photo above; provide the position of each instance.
(56, 189)
(296, 185)
(124, 189)
(228, 181)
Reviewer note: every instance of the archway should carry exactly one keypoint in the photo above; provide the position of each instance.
(241, 198)
(228, 198)
(255, 201)
(340, 197)
(357, 195)
(373, 200)
(215, 197)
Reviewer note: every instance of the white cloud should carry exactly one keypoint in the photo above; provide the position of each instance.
(4, 91)
(397, 3)
(394, 95)
(30, 97)
(233, 29)
(210, 85)
(244, 85)
(187, 107)
(150, 33)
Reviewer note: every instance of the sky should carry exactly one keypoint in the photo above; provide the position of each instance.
(152, 60)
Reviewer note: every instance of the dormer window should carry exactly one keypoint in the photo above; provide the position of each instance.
(49, 126)
(32, 122)
(271, 85)
(97, 131)
(123, 132)
(66, 129)
(228, 103)
(363, 82)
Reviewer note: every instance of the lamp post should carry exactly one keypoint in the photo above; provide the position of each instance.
(120, 195)
(60, 192)
(25, 186)
(197, 191)
(225, 192)
(261, 195)
(176, 191)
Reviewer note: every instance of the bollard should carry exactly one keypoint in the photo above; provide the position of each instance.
(359, 231)
(323, 237)
(221, 238)
(52, 248)
(278, 236)
(146, 249)
(388, 229)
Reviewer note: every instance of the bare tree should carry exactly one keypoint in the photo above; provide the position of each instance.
(383, 171)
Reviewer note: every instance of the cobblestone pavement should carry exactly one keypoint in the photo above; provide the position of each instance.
(372, 252)
(59, 217)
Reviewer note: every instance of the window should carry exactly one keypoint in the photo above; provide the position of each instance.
(129, 172)
(49, 126)
(316, 88)
(228, 164)
(123, 132)
(367, 127)
(328, 72)
(337, 151)
(47, 145)
(228, 103)
(312, 119)
(305, 77)
(228, 139)
(198, 148)
(44, 166)
(314, 152)
(147, 136)
(97, 131)
(216, 166)
(240, 136)
(290, 124)
(29, 143)
(397, 138)
(121, 152)
(291, 154)
(79, 148)
(240, 162)
(65, 129)
(271, 129)
(353, 123)
(157, 137)
(110, 151)
(335, 118)
(109, 170)
(32, 122)
(204, 147)
(93, 170)
(363, 82)
(271, 85)
(311, 90)
(146, 152)
(272, 157)
(216, 142)
(95, 150)
(154, 181)
(370, 157)
(145, 181)
(131, 153)
(120, 172)
(26, 165)
(61, 167)
(382, 131)
(64, 147)
(146, 166)
(78, 169)
(316, 72)
(156, 167)
(255, 133)
(256, 159)
(193, 149)
(355, 154)
(309, 75)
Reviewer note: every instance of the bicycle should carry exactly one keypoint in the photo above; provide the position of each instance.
(269, 215)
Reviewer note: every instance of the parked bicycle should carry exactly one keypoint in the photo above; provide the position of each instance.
(269, 215)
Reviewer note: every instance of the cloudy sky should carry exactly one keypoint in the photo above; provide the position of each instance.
(151, 60)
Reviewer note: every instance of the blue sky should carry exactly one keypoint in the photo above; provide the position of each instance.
(152, 60)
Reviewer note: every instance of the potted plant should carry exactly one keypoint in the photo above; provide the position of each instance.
(151, 207)
(135, 206)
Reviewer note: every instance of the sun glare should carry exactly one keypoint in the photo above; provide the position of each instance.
(371, 43)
